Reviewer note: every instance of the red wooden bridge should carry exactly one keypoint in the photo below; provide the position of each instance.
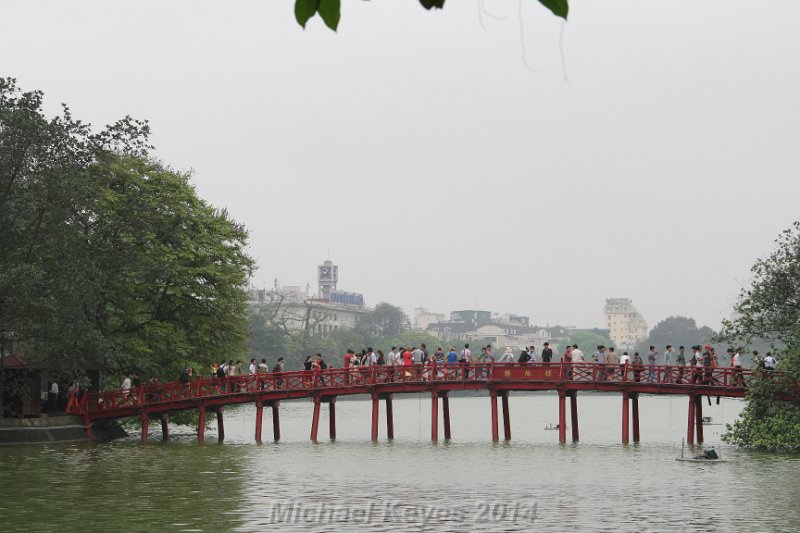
(382, 382)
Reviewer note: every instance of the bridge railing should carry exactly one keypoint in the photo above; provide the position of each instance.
(361, 376)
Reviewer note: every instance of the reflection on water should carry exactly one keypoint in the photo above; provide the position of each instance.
(468, 484)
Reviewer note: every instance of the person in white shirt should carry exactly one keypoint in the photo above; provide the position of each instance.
(532, 353)
(253, 368)
(391, 356)
(738, 378)
(577, 355)
(465, 358)
(373, 358)
(507, 357)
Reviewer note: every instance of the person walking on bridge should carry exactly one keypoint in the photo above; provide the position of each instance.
(507, 357)
(680, 360)
(547, 354)
(465, 359)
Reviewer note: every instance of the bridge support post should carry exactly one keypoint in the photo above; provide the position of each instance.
(201, 424)
(495, 432)
(446, 413)
(259, 418)
(220, 425)
(698, 413)
(332, 418)
(389, 418)
(573, 408)
(562, 417)
(506, 417)
(87, 424)
(625, 417)
(434, 416)
(635, 413)
(276, 420)
(145, 427)
(690, 427)
(165, 427)
(375, 413)
(315, 419)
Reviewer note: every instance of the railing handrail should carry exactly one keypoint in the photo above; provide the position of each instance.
(430, 372)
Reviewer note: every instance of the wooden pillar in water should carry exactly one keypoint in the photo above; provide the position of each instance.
(573, 407)
(625, 417)
(506, 417)
(635, 412)
(493, 400)
(698, 413)
(220, 425)
(165, 427)
(276, 420)
(434, 416)
(690, 427)
(201, 424)
(145, 418)
(87, 424)
(562, 417)
(446, 413)
(315, 419)
(259, 418)
(375, 413)
(332, 418)
(389, 418)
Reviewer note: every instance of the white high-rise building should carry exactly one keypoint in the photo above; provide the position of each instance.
(627, 325)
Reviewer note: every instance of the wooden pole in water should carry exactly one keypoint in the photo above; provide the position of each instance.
(562, 417)
(690, 427)
(165, 427)
(434, 417)
(389, 418)
(145, 426)
(259, 418)
(276, 420)
(573, 404)
(375, 416)
(635, 409)
(495, 432)
(506, 417)
(220, 425)
(332, 418)
(625, 417)
(446, 413)
(201, 424)
(315, 420)
(698, 413)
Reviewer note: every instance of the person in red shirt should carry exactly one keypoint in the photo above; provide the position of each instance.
(347, 358)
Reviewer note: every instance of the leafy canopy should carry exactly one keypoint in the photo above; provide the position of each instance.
(108, 257)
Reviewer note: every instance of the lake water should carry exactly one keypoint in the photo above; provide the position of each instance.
(410, 484)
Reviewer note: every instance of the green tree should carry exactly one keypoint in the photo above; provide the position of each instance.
(677, 331)
(385, 320)
(770, 309)
(107, 255)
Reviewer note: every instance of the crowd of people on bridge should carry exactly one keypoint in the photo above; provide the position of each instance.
(693, 366)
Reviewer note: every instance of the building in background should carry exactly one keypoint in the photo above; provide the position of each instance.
(500, 330)
(626, 324)
(292, 308)
(423, 318)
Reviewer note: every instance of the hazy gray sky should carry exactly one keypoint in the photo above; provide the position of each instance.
(659, 169)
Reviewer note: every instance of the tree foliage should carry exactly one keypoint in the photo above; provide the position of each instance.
(109, 256)
(330, 10)
(677, 331)
(770, 309)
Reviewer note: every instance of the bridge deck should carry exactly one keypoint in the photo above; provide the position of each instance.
(382, 382)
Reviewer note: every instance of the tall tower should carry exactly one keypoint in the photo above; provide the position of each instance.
(327, 276)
